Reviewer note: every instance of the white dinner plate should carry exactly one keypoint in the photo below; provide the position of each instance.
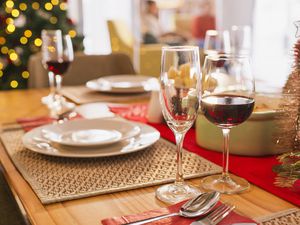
(90, 132)
(123, 84)
(32, 140)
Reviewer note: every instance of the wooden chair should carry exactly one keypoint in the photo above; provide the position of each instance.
(82, 69)
(121, 40)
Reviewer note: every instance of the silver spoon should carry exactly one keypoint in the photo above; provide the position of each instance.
(197, 206)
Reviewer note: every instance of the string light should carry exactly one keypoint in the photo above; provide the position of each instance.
(23, 6)
(4, 50)
(9, 21)
(25, 74)
(23, 40)
(15, 13)
(10, 28)
(13, 56)
(72, 33)
(14, 84)
(53, 20)
(38, 42)
(9, 4)
(27, 33)
(63, 6)
(48, 6)
(35, 5)
(54, 2)
(2, 40)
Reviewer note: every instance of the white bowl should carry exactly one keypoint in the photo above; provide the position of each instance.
(255, 137)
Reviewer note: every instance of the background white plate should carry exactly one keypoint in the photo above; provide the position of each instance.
(61, 133)
(146, 138)
(123, 84)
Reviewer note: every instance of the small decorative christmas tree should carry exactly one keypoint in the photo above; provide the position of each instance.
(21, 23)
(289, 124)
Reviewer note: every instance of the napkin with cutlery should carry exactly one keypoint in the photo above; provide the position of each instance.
(232, 218)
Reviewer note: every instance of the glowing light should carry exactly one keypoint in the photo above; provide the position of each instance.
(28, 33)
(4, 50)
(2, 40)
(13, 56)
(48, 6)
(1, 73)
(14, 84)
(1, 66)
(23, 6)
(53, 20)
(15, 13)
(54, 2)
(8, 10)
(11, 51)
(25, 74)
(9, 4)
(35, 5)
(10, 28)
(63, 6)
(38, 42)
(72, 33)
(23, 40)
(9, 21)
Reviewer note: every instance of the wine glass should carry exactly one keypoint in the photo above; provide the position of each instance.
(57, 53)
(49, 38)
(227, 100)
(240, 39)
(216, 42)
(179, 97)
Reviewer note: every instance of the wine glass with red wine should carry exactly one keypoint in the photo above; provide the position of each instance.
(57, 53)
(179, 97)
(228, 90)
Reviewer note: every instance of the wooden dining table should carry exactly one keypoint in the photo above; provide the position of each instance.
(15, 104)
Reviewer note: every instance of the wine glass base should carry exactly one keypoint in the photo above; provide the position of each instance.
(225, 184)
(48, 100)
(174, 193)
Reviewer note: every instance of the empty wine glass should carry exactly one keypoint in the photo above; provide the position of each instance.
(216, 42)
(227, 100)
(240, 39)
(57, 53)
(179, 97)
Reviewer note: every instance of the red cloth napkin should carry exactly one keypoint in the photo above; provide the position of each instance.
(134, 112)
(233, 217)
(257, 170)
(30, 123)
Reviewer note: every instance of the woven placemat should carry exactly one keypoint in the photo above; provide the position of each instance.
(82, 95)
(56, 179)
(287, 217)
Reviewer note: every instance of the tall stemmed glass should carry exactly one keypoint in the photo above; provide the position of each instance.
(49, 38)
(179, 97)
(228, 90)
(57, 55)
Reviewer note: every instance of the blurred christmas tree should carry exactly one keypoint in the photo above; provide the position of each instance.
(21, 23)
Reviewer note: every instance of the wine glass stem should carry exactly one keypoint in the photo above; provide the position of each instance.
(51, 83)
(58, 80)
(226, 132)
(179, 141)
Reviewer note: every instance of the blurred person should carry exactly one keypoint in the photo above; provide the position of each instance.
(203, 22)
(151, 28)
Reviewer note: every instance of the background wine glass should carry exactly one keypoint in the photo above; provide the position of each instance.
(179, 97)
(240, 39)
(216, 42)
(49, 38)
(57, 56)
(227, 100)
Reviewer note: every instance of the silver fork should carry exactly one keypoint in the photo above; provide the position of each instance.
(215, 216)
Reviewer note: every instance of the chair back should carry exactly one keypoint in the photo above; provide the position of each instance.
(82, 69)
(121, 38)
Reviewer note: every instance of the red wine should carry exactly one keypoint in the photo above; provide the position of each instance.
(227, 110)
(58, 67)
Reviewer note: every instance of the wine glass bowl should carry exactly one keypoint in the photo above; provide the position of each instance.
(216, 42)
(179, 97)
(228, 90)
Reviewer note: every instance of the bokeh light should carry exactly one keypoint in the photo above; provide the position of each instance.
(38, 42)
(13, 56)
(63, 6)
(4, 50)
(2, 40)
(55, 2)
(14, 84)
(23, 40)
(53, 20)
(27, 33)
(23, 6)
(15, 13)
(10, 28)
(9, 4)
(35, 5)
(48, 6)
(72, 33)
(25, 74)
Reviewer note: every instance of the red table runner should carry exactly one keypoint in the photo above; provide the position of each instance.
(257, 170)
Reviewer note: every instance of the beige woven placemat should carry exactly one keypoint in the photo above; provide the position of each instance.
(287, 217)
(56, 179)
(82, 95)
